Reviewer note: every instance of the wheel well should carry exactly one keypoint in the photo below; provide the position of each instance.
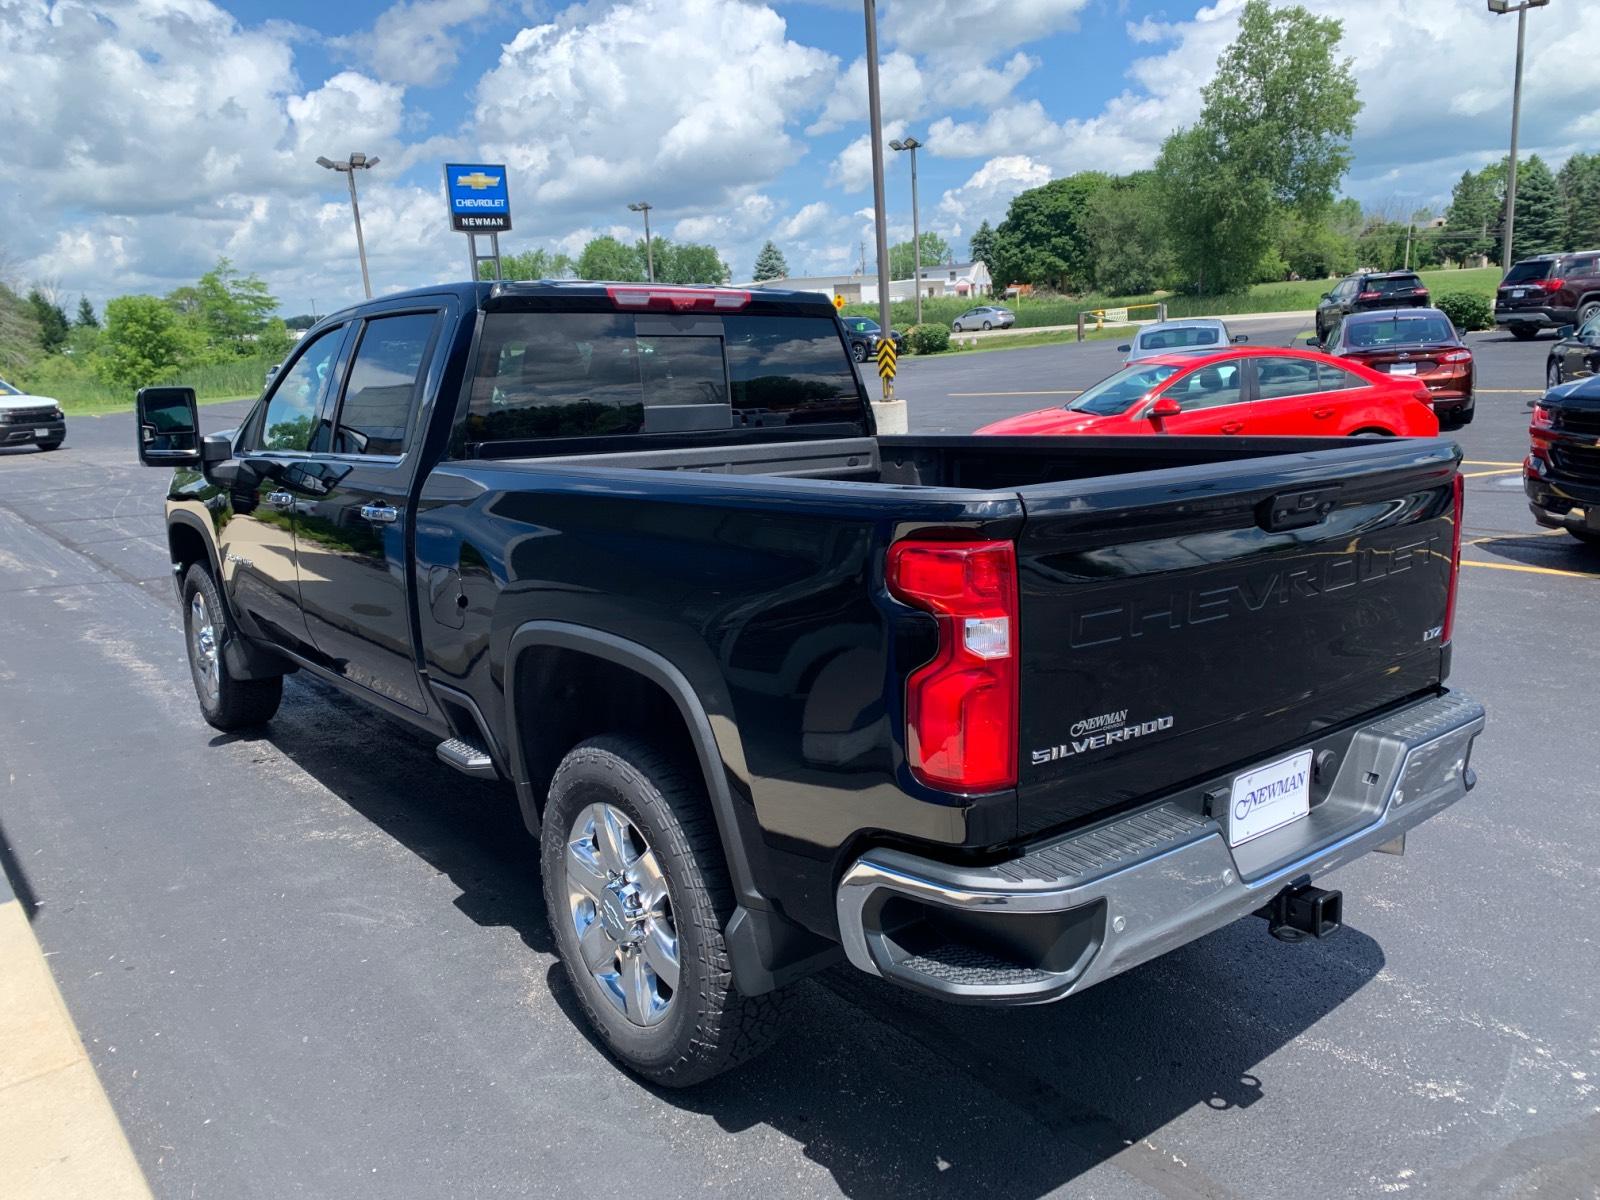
(565, 696)
(187, 547)
(1371, 431)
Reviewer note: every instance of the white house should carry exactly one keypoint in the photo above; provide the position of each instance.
(955, 279)
(970, 279)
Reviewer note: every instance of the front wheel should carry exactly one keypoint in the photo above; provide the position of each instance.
(53, 444)
(638, 896)
(225, 702)
(1524, 332)
(987, 326)
(1374, 432)
(859, 350)
(955, 326)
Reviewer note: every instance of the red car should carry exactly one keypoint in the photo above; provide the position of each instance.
(1418, 343)
(1255, 391)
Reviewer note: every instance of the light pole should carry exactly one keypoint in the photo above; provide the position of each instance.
(644, 206)
(356, 162)
(913, 145)
(1520, 7)
(875, 119)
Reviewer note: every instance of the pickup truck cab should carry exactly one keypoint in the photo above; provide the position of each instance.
(991, 718)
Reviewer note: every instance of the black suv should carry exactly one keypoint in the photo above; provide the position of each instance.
(1366, 290)
(864, 334)
(1549, 291)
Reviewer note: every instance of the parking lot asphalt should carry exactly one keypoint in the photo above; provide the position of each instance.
(314, 962)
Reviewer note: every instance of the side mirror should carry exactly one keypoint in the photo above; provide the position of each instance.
(1327, 295)
(1313, 343)
(1241, 337)
(1166, 406)
(1123, 349)
(1565, 331)
(169, 427)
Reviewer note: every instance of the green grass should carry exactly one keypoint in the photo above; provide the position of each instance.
(1301, 296)
(77, 391)
(1047, 337)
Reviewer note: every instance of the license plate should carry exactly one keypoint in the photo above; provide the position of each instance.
(1269, 798)
(1402, 368)
(1518, 293)
(41, 433)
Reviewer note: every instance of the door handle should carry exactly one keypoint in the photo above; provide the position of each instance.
(280, 499)
(1233, 427)
(382, 514)
(1322, 413)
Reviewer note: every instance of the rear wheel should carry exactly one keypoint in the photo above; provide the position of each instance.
(987, 326)
(1587, 310)
(1552, 372)
(1373, 432)
(859, 349)
(225, 702)
(1524, 332)
(638, 896)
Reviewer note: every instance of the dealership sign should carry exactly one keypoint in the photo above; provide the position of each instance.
(479, 200)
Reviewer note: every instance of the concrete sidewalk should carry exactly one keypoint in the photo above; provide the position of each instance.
(59, 1138)
(1230, 318)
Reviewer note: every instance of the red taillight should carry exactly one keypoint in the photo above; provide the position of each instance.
(1455, 562)
(678, 299)
(1370, 296)
(961, 708)
(1419, 291)
(1551, 285)
(1456, 356)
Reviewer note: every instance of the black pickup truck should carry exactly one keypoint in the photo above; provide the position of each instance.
(992, 718)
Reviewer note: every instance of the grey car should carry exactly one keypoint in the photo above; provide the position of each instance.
(984, 316)
(1191, 335)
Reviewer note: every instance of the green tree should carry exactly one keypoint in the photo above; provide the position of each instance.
(1044, 238)
(605, 257)
(1128, 236)
(1474, 212)
(536, 263)
(1579, 181)
(52, 322)
(686, 262)
(19, 333)
(228, 311)
(1541, 211)
(981, 247)
(86, 318)
(770, 264)
(902, 257)
(1273, 135)
(144, 337)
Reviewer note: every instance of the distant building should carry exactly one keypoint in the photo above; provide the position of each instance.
(970, 279)
(953, 279)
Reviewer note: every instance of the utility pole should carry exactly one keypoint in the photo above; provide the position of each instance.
(356, 162)
(913, 145)
(1521, 9)
(1410, 225)
(875, 119)
(643, 206)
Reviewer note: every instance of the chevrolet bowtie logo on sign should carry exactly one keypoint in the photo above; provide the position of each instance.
(478, 198)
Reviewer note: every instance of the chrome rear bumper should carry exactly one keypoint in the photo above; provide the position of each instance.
(1075, 911)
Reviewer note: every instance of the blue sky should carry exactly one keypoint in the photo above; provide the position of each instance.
(144, 138)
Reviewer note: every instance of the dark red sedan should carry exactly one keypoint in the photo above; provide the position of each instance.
(1414, 343)
(1254, 391)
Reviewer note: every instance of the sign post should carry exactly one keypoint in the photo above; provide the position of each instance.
(479, 201)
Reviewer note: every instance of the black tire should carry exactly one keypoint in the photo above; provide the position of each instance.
(1552, 373)
(955, 326)
(1524, 332)
(226, 703)
(1584, 536)
(987, 327)
(1587, 310)
(708, 1026)
(1372, 433)
(859, 350)
(54, 444)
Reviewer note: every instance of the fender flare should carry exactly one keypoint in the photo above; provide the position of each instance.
(246, 659)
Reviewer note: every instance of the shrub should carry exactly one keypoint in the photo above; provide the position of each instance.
(928, 339)
(1466, 311)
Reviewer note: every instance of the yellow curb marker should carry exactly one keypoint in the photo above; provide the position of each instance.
(1467, 562)
(59, 1138)
(1499, 471)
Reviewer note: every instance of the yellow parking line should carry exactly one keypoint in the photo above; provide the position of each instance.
(1068, 392)
(1514, 537)
(1510, 391)
(1483, 462)
(1481, 474)
(1467, 562)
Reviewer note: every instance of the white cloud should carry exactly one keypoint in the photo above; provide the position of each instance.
(984, 196)
(413, 42)
(975, 25)
(809, 219)
(852, 168)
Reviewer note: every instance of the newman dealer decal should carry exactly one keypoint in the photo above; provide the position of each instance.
(1096, 733)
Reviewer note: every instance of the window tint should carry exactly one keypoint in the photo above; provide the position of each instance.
(1523, 272)
(1181, 338)
(1209, 387)
(1118, 392)
(382, 388)
(1332, 379)
(557, 375)
(1396, 285)
(1280, 377)
(292, 411)
(1399, 330)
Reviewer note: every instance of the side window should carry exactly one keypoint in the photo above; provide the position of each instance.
(1591, 329)
(1583, 266)
(1277, 378)
(1209, 387)
(1333, 379)
(384, 384)
(292, 412)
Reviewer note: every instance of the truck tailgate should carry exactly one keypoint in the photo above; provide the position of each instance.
(1175, 624)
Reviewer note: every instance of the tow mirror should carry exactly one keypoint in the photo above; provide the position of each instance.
(1165, 406)
(1312, 342)
(1123, 349)
(1565, 331)
(1241, 337)
(169, 427)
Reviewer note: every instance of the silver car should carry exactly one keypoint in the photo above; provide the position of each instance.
(985, 316)
(1191, 335)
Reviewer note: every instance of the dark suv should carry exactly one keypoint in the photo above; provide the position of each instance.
(1549, 291)
(1364, 291)
(864, 334)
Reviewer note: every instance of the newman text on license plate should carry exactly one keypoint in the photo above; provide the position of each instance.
(1269, 798)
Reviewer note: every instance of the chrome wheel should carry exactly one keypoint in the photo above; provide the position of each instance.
(618, 904)
(203, 646)
(1552, 375)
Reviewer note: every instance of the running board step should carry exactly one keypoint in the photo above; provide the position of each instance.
(467, 758)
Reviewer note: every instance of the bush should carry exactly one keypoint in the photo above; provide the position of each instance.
(1466, 311)
(928, 339)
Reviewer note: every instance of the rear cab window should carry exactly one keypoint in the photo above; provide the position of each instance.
(560, 374)
(1182, 338)
(1395, 285)
(1399, 330)
(1528, 272)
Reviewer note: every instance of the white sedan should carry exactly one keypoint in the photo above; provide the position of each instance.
(1187, 335)
(30, 420)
